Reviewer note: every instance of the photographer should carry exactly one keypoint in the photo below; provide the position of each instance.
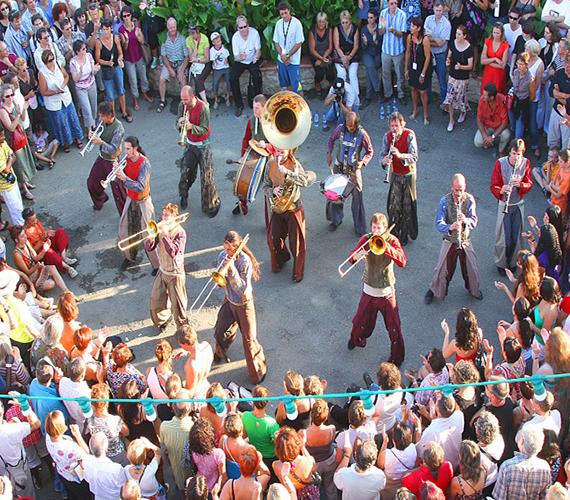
(342, 98)
(8, 183)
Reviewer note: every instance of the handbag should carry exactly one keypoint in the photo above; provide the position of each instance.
(18, 139)
(509, 100)
(197, 68)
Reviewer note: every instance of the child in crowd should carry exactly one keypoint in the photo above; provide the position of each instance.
(544, 175)
(44, 151)
(219, 56)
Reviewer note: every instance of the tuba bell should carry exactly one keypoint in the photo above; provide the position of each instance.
(286, 123)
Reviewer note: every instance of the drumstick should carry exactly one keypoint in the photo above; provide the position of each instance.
(229, 161)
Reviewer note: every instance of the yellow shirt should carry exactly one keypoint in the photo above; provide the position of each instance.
(203, 44)
(550, 175)
(22, 316)
(5, 152)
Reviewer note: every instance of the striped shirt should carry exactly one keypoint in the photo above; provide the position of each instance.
(438, 29)
(174, 50)
(393, 45)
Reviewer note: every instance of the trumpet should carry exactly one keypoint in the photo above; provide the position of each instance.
(119, 167)
(96, 133)
(151, 231)
(184, 128)
(376, 244)
(389, 166)
(218, 277)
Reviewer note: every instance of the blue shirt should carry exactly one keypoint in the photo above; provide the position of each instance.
(412, 9)
(238, 287)
(393, 45)
(27, 19)
(14, 41)
(42, 407)
(435, 29)
(47, 11)
(441, 223)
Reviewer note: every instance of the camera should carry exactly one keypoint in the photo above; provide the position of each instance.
(338, 95)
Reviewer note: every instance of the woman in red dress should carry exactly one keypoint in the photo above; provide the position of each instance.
(494, 59)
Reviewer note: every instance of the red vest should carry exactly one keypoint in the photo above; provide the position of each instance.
(132, 172)
(194, 118)
(402, 144)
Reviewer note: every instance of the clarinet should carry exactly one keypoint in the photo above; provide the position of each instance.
(458, 206)
(510, 185)
(389, 166)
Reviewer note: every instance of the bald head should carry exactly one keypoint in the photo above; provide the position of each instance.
(459, 181)
(187, 96)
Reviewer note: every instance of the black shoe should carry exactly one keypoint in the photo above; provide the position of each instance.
(386, 99)
(106, 198)
(428, 297)
(166, 324)
(236, 210)
(351, 345)
(478, 297)
(367, 379)
(184, 202)
(239, 111)
(501, 271)
(403, 101)
(154, 272)
(214, 212)
(125, 264)
(404, 241)
(39, 167)
(333, 226)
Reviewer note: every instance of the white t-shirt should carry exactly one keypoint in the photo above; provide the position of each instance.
(552, 8)
(11, 435)
(399, 462)
(148, 483)
(388, 409)
(70, 389)
(511, 37)
(219, 57)
(105, 477)
(490, 455)
(360, 485)
(66, 454)
(350, 95)
(364, 432)
(447, 433)
(552, 421)
(287, 35)
(249, 46)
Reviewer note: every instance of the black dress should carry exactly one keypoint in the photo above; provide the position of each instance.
(416, 66)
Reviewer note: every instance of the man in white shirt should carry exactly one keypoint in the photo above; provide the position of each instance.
(445, 429)
(558, 12)
(341, 99)
(104, 476)
(362, 480)
(288, 38)
(438, 30)
(513, 30)
(246, 47)
(74, 386)
(543, 414)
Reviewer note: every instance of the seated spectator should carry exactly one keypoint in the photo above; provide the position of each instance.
(56, 254)
(201, 450)
(544, 175)
(525, 475)
(134, 415)
(492, 120)
(44, 276)
(527, 284)
(320, 50)
(120, 370)
(471, 479)
(294, 467)
(45, 42)
(73, 385)
(433, 468)
(387, 406)
(199, 59)
(549, 255)
(342, 98)
(156, 376)
(49, 346)
(494, 60)
(433, 372)
(111, 426)
(467, 398)
(544, 416)
(142, 472)
(69, 312)
(445, 429)
(44, 386)
(174, 56)
(233, 444)
(346, 39)
(246, 49)
(359, 426)
(253, 479)
(491, 443)
(62, 116)
(560, 183)
(293, 384)
(11, 359)
(105, 477)
(551, 453)
(513, 365)
(44, 149)
(362, 480)
(9, 184)
(67, 454)
(131, 39)
(220, 57)
(87, 348)
(466, 343)
(521, 328)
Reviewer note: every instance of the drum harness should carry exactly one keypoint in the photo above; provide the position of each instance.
(346, 147)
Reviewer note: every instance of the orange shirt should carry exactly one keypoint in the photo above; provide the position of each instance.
(562, 178)
(67, 335)
(36, 233)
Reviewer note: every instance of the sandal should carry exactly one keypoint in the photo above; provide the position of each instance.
(137, 106)
(127, 118)
(79, 144)
(66, 148)
(51, 164)
(28, 195)
(161, 106)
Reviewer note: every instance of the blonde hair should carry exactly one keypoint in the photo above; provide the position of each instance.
(55, 424)
(136, 452)
(322, 16)
(532, 46)
(345, 15)
(294, 383)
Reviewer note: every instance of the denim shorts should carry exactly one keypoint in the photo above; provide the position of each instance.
(115, 87)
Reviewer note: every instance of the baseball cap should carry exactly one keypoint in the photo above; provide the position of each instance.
(192, 27)
(214, 35)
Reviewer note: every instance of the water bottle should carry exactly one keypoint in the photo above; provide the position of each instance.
(395, 105)
(382, 112)
(324, 120)
(316, 119)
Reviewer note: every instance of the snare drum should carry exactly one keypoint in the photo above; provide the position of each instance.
(337, 188)
(249, 176)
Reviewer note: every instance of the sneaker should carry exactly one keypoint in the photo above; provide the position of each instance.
(154, 63)
(428, 298)
(70, 261)
(72, 272)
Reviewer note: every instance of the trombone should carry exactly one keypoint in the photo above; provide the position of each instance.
(150, 231)
(184, 128)
(218, 277)
(119, 167)
(376, 244)
(96, 133)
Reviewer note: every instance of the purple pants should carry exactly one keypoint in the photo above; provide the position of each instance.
(99, 172)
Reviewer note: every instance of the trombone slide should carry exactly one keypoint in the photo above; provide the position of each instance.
(150, 231)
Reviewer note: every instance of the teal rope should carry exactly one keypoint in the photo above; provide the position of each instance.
(446, 389)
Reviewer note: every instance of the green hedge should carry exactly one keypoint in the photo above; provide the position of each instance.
(220, 15)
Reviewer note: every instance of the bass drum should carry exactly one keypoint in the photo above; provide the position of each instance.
(250, 176)
(336, 188)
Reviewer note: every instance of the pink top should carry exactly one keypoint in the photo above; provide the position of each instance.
(86, 77)
(133, 53)
(208, 465)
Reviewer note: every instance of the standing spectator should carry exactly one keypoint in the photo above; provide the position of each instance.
(492, 445)
(460, 63)
(246, 49)
(4, 13)
(45, 42)
(9, 183)
(7, 60)
(471, 479)
(550, 45)
(83, 69)
(152, 27)
(438, 30)
(536, 69)
(288, 38)
(131, 38)
(346, 39)
(524, 91)
(199, 59)
(433, 467)
(74, 386)
(392, 26)
(558, 12)
(412, 8)
(16, 37)
(28, 83)
(31, 9)
(559, 187)
(494, 59)
(320, 50)
(80, 21)
(144, 473)
(59, 13)
(62, 116)
(492, 120)
(220, 57)
(109, 55)
(418, 67)
(174, 55)
(512, 30)
(371, 58)
(525, 475)
(558, 131)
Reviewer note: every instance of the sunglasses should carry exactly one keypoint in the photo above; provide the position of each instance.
(242, 27)
(513, 18)
(8, 96)
(5, 8)
(126, 15)
(51, 59)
